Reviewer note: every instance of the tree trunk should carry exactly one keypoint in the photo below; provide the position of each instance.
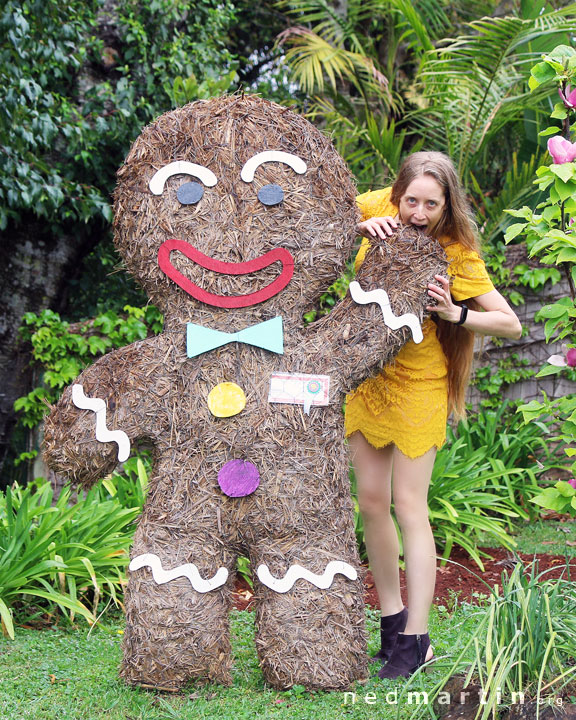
(34, 266)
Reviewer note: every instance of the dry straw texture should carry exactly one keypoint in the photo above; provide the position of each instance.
(301, 512)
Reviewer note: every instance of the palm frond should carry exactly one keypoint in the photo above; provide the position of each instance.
(473, 85)
(372, 145)
(386, 141)
(434, 16)
(413, 26)
(334, 26)
(462, 11)
(311, 57)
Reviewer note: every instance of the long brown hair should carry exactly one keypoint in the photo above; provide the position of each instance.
(458, 225)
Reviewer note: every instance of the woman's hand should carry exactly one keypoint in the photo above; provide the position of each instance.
(377, 226)
(496, 317)
(445, 309)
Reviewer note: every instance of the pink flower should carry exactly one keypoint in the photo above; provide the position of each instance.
(561, 150)
(568, 96)
(572, 482)
(566, 360)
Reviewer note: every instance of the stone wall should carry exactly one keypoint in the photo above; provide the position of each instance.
(532, 346)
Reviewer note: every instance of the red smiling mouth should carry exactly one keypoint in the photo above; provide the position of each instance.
(226, 268)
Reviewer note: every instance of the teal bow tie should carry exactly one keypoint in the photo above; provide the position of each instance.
(268, 335)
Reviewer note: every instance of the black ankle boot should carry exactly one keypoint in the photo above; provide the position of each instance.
(408, 655)
(390, 626)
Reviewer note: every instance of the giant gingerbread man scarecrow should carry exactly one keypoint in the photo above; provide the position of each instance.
(235, 214)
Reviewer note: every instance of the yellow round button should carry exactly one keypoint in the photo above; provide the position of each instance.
(226, 399)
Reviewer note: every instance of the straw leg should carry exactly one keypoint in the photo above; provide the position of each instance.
(174, 633)
(310, 636)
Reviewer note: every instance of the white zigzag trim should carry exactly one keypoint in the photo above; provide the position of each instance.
(188, 570)
(98, 406)
(295, 572)
(395, 322)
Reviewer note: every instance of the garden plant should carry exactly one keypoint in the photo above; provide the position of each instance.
(549, 235)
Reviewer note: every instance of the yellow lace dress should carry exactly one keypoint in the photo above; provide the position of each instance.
(406, 404)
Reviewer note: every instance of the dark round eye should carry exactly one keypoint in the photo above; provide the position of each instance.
(190, 193)
(271, 194)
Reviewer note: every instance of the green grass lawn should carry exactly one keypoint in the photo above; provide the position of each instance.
(72, 674)
(541, 536)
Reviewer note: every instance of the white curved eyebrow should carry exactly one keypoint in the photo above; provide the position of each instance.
(180, 167)
(296, 163)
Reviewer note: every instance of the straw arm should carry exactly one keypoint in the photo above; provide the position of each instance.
(92, 427)
(384, 308)
(352, 344)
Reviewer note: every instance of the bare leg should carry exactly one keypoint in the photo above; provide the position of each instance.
(374, 471)
(410, 493)
(373, 468)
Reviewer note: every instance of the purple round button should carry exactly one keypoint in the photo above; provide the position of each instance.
(238, 478)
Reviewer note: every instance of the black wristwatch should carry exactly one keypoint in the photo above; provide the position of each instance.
(463, 315)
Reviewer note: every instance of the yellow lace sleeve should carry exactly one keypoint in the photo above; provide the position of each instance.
(373, 204)
(468, 272)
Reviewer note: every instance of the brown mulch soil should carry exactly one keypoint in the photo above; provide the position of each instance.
(451, 580)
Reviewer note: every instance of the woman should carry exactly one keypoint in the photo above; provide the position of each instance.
(396, 421)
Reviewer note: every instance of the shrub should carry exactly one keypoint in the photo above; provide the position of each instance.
(524, 642)
(68, 556)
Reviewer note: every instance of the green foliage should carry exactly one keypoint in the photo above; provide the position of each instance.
(517, 188)
(540, 535)
(491, 381)
(561, 498)
(63, 352)
(128, 487)
(243, 568)
(549, 236)
(548, 233)
(536, 278)
(60, 554)
(68, 95)
(473, 86)
(348, 60)
(558, 65)
(335, 48)
(559, 319)
(469, 495)
(500, 431)
(563, 412)
(488, 472)
(185, 90)
(328, 299)
(524, 642)
(454, 81)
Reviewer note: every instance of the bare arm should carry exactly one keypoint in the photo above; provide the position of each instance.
(496, 318)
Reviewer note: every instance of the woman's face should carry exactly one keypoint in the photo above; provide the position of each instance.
(423, 203)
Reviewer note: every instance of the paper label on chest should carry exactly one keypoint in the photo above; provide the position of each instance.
(299, 389)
